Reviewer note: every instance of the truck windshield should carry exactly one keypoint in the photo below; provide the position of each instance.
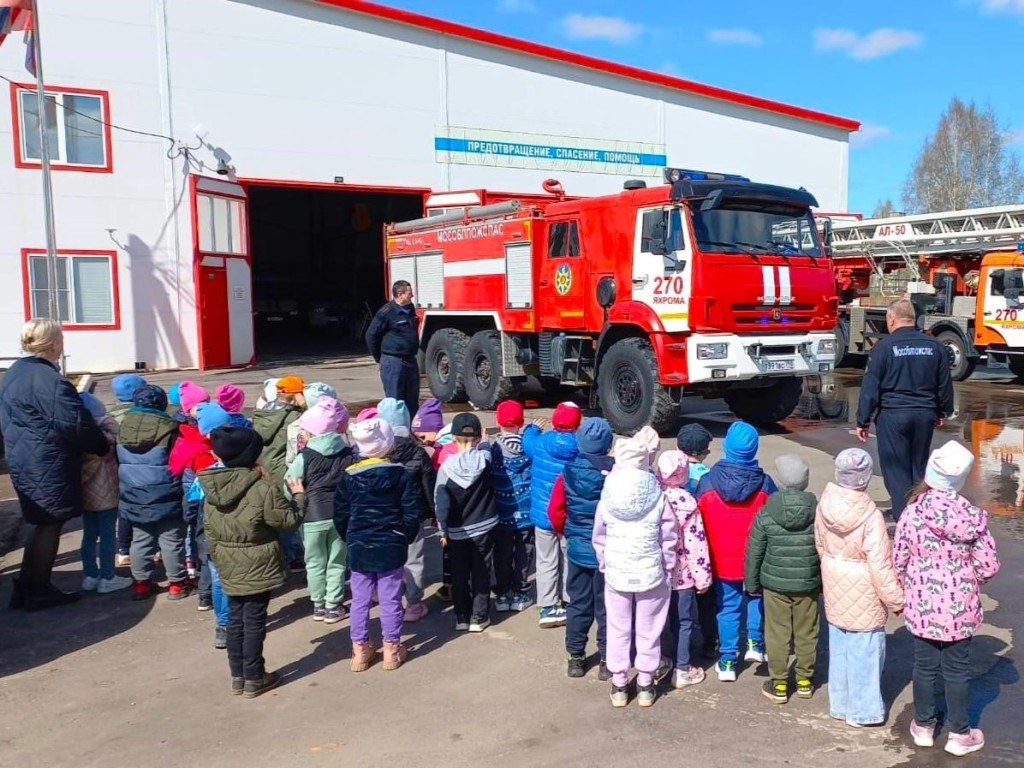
(751, 228)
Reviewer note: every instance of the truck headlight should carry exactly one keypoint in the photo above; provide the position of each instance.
(712, 351)
(827, 347)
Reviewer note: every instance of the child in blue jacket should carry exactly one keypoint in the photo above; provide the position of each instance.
(514, 537)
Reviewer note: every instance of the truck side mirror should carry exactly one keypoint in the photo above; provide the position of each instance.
(826, 233)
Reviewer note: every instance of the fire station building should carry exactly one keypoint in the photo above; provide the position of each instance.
(223, 168)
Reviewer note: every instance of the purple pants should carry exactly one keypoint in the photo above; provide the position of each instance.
(389, 595)
(635, 614)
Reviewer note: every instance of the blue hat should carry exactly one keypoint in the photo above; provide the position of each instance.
(209, 416)
(394, 412)
(93, 405)
(317, 389)
(174, 393)
(693, 439)
(150, 396)
(740, 445)
(594, 437)
(126, 385)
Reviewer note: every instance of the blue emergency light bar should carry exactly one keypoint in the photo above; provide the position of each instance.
(672, 175)
(1020, 246)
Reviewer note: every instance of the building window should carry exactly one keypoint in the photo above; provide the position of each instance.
(75, 124)
(87, 290)
(221, 224)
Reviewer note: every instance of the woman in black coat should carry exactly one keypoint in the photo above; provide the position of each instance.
(46, 429)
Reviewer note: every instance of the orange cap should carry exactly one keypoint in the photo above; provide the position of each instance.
(290, 385)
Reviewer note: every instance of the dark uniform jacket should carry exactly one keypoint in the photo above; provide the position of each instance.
(393, 332)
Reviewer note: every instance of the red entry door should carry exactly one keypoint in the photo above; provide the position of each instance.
(564, 279)
(223, 273)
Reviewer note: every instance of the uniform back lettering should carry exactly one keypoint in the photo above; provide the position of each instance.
(910, 351)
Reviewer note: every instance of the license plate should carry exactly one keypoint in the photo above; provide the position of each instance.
(771, 366)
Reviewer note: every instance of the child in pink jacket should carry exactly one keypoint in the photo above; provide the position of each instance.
(859, 584)
(944, 552)
(635, 535)
(692, 574)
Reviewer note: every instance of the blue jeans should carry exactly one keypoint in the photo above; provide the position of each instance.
(400, 378)
(730, 611)
(855, 663)
(682, 613)
(102, 526)
(220, 600)
(291, 544)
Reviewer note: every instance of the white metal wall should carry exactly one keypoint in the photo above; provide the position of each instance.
(297, 90)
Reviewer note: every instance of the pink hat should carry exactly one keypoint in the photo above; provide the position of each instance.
(326, 417)
(373, 438)
(191, 395)
(231, 397)
(673, 469)
(367, 413)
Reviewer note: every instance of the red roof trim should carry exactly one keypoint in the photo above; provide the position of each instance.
(590, 62)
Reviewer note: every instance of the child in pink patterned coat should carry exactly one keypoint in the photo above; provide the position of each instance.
(692, 574)
(943, 553)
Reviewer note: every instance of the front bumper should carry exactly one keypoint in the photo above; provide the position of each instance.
(755, 357)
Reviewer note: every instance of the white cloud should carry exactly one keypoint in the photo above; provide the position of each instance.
(517, 6)
(1002, 6)
(869, 133)
(612, 29)
(734, 36)
(1014, 136)
(873, 45)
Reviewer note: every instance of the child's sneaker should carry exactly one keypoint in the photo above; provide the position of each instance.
(362, 656)
(190, 567)
(415, 612)
(775, 692)
(479, 623)
(551, 617)
(683, 678)
(220, 638)
(755, 652)
(89, 583)
(664, 669)
(619, 696)
(205, 604)
(645, 695)
(602, 672)
(318, 611)
(461, 624)
(577, 665)
(726, 671)
(923, 735)
(444, 593)
(141, 590)
(961, 744)
(804, 689)
(179, 590)
(521, 602)
(254, 688)
(395, 655)
(113, 584)
(333, 614)
(503, 603)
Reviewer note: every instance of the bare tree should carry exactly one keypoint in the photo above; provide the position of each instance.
(884, 209)
(964, 164)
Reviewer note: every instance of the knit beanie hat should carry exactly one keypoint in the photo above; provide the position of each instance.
(594, 437)
(693, 439)
(373, 438)
(853, 469)
(191, 395)
(93, 405)
(948, 467)
(210, 416)
(630, 452)
(792, 472)
(394, 412)
(509, 414)
(174, 394)
(150, 396)
(740, 445)
(290, 385)
(428, 418)
(236, 447)
(673, 469)
(567, 417)
(366, 413)
(231, 397)
(326, 417)
(125, 386)
(315, 390)
(649, 439)
(270, 390)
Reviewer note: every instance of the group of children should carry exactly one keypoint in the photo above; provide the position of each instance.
(661, 552)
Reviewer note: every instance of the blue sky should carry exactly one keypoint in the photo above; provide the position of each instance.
(891, 65)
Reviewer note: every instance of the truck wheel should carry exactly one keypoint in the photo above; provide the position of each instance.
(960, 365)
(629, 392)
(1016, 363)
(842, 342)
(446, 352)
(770, 405)
(485, 386)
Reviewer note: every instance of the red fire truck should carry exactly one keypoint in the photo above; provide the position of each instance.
(708, 284)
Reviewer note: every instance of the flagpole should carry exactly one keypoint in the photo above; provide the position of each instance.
(44, 153)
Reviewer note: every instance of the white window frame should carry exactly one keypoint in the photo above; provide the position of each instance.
(61, 160)
(206, 223)
(67, 257)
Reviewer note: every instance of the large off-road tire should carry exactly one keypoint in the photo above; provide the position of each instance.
(1016, 363)
(444, 364)
(768, 405)
(842, 332)
(629, 392)
(960, 365)
(482, 371)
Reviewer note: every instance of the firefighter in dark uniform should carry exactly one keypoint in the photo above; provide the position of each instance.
(393, 339)
(907, 389)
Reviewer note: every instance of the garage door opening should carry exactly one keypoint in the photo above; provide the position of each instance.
(318, 265)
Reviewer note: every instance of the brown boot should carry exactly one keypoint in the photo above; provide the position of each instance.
(362, 656)
(395, 655)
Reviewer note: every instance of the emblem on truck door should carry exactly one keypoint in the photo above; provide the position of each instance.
(563, 279)
(776, 314)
